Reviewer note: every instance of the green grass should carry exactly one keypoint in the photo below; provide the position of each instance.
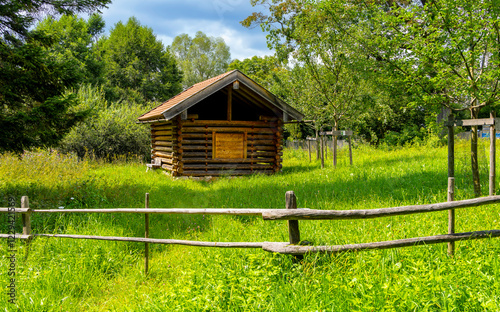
(83, 275)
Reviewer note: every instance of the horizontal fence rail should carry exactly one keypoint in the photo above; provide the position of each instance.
(292, 214)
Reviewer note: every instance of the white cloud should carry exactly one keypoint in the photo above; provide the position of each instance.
(217, 18)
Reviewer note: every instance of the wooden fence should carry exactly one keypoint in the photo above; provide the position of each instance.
(292, 214)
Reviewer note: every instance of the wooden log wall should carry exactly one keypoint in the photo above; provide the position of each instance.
(195, 154)
(165, 145)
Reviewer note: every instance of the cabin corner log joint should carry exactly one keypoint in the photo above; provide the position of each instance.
(226, 125)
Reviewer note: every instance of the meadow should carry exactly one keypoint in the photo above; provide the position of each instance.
(82, 275)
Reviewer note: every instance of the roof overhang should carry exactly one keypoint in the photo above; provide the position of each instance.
(168, 114)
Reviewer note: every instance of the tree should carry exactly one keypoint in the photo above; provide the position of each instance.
(298, 31)
(138, 68)
(34, 108)
(73, 40)
(201, 57)
(264, 70)
(447, 53)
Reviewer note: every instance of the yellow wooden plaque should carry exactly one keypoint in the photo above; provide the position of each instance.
(230, 146)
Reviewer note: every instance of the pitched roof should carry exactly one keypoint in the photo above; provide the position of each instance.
(194, 94)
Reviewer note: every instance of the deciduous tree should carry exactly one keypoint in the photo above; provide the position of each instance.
(201, 57)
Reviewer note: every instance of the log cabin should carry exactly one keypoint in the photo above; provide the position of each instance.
(226, 125)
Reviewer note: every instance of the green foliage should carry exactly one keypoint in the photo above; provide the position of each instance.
(110, 132)
(73, 41)
(264, 70)
(201, 57)
(17, 16)
(138, 68)
(75, 275)
(34, 111)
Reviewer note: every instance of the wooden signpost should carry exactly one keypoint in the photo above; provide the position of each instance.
(336, 133)
(451, 124)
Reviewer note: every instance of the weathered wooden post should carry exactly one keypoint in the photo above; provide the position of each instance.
(309, 148)
(26, 217)
(322, 152)
(293, 225)
(317, 145)
(146, 235)
(325, 143)
(334, 139)
(451, 180)
(492, 154)
(350, 148)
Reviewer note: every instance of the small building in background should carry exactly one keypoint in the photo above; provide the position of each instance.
(226, 125)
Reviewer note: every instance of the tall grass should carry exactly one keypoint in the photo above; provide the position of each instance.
(77, 275)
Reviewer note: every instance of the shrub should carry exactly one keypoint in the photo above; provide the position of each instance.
(111, 130)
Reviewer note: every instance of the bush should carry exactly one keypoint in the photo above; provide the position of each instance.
(110, 132)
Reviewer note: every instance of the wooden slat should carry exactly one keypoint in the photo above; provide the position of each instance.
(261, 142)
(158, 241)
(198, 154)
(475, 122)
(207, 134)
(309, 214)
(163, 154)
(189, 211)
(263, 148)
(337, 132)
(162, 138)
(167, 167)
(162, 132)
(226, 166)
(165, 127)
(166, 160)
(225, 172)
(162, 143)
(248, 160)
(252, 136)
(194, 142)
(226, 129)
(17, 236)
(163, 148)
(197, 147)
(286, 248)
(225, 123)
(17, 210)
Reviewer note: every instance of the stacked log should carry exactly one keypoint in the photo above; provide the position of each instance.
(262, 154)
(164, 144)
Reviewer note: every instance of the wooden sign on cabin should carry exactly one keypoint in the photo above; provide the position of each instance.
(226, 125)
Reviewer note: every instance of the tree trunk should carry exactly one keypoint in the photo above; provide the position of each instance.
(473, 154)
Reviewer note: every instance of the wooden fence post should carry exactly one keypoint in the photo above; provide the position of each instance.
(451, 181)
(26, 217)
(293, 225)
(146, 235)
(317, 145)
(309, 148)
(492, 154)
(334, 139)
(322, 152)
(350, 148)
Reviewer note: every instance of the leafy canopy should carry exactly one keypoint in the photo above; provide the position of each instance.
(35, 110)
(201, 57)
(137, 66)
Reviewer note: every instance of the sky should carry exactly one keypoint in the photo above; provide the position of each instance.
(216, 18)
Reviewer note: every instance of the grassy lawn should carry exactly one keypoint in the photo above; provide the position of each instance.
(82, 275)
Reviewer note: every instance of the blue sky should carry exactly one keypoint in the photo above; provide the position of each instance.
(217, 18)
